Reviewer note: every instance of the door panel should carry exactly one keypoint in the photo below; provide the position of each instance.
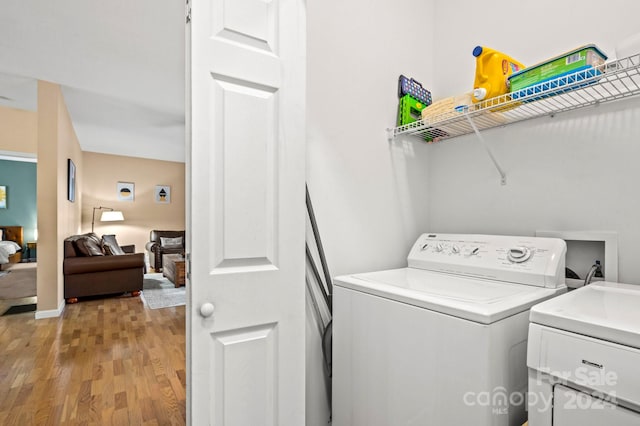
(246, 398)
(249, 22)
(244, 218)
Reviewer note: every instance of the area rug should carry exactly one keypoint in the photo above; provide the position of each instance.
(158, 292)
(19, 281)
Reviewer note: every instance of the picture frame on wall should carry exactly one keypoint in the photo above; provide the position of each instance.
(3, 197)
(162, 194)
(71, 180)
(126, 191)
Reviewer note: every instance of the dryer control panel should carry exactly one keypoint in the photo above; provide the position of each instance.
(523, 260)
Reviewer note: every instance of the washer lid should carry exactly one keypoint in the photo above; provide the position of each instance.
(482, 301)
(604, 310)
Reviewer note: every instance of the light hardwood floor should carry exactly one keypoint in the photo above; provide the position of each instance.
(104, 361)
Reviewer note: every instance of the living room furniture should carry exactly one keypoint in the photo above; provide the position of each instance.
(174, 268)
(89, 272)
(161, 243)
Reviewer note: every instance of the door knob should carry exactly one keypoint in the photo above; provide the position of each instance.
(206, 310)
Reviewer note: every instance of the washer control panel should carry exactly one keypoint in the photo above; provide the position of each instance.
(524, 260)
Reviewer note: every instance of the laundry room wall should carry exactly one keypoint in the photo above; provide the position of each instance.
(369, 195)
(575, 171)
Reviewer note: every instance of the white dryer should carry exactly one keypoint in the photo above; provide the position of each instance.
(584, 358)
(443, 341)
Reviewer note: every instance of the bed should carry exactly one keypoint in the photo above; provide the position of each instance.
(11, 242)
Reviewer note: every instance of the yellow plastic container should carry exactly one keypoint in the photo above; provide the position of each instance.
(492, 70)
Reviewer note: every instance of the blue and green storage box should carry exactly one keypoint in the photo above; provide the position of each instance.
(579, 64)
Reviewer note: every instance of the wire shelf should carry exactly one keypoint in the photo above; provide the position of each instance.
(612, 81)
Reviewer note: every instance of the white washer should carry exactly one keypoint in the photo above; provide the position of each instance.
(584, 358)
(443, 341)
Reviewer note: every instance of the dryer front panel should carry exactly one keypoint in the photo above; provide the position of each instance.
(572, 408)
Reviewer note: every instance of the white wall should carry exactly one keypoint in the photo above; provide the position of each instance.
(370, 197)
(577, 171)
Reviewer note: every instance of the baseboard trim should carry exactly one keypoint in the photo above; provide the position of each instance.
(51, 313)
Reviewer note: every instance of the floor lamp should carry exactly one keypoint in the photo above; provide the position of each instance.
(108, 215)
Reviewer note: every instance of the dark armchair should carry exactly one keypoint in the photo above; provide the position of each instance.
(89, 271)
(164, 242)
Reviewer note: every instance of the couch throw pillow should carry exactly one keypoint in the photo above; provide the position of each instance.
(88, 247)
(111, 246)
(94, 237)
(171, 242)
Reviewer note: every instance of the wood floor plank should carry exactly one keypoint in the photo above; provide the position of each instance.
(104, 361)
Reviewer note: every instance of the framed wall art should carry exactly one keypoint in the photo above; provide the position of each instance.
(3, 197)
(71, 180)
(162, 194)
(126, 191)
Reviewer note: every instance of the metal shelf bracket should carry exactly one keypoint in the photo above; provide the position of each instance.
(391, 134)
(503, 176)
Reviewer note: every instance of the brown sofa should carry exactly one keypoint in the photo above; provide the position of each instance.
(156, 249)
(93, 274)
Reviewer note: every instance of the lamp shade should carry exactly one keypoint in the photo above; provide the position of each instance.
(111, 216)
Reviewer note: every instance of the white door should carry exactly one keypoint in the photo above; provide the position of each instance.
(246, 212)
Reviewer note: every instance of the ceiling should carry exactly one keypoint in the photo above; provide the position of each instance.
(120, 64)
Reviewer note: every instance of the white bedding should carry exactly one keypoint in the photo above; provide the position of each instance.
(7, 248)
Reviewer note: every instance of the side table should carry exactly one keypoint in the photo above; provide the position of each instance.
(32, 251)
(173, 268)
